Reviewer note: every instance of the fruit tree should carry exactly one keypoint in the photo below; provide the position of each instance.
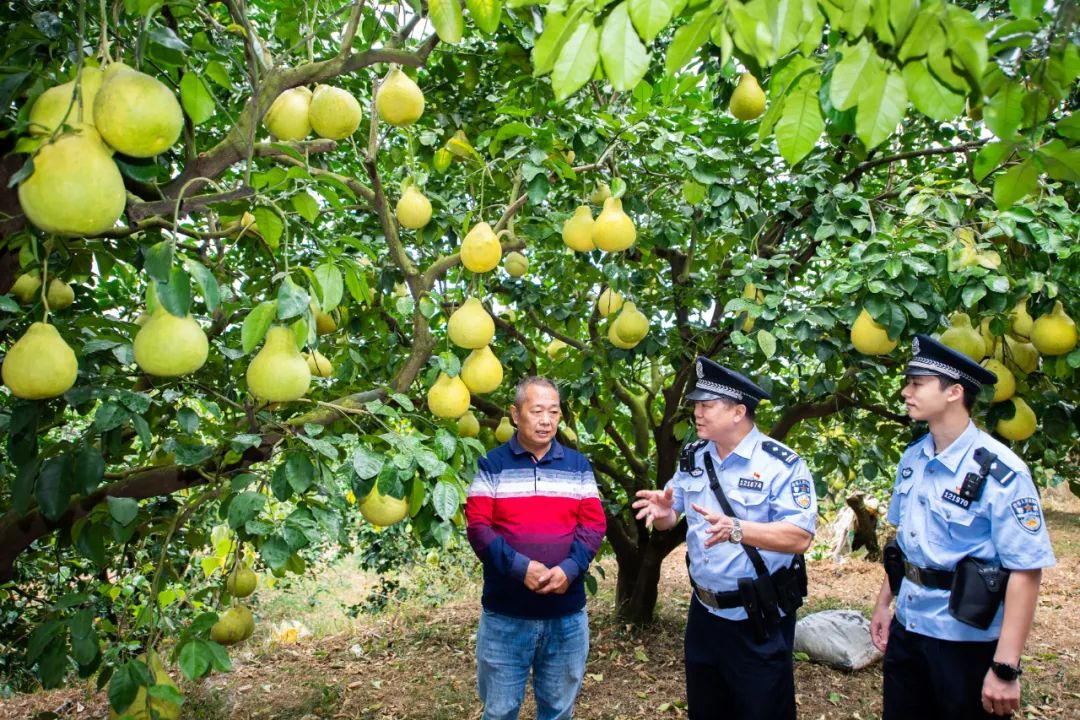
(271, 269)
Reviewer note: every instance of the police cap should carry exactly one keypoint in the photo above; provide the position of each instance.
(714, 381)
(932, 357)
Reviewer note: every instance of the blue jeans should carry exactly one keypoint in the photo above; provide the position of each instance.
(555, 649)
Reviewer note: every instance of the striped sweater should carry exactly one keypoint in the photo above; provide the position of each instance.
(520, 509)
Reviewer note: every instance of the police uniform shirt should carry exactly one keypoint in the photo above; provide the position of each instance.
(762, 486)
(937, 528)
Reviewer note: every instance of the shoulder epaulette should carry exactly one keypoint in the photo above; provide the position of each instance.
(784, 454)
(915, 441)
(998, 469)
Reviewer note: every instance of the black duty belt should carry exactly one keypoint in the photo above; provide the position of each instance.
(719, 600)
(928, 577)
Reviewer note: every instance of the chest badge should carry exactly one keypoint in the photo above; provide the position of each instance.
(751, 484)
(800, 492)
(1028, 513)
(956, 499)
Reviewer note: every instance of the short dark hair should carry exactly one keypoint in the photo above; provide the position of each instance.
(523, 388)
(970, 393)
(751, 410)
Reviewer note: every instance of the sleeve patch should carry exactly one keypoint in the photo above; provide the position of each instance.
(800, 492)
(1028, 514)
(778, 451)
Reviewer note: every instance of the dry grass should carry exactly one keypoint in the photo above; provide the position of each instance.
(415, 661)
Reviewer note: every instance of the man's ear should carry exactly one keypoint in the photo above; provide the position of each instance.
(955, 393)
(514, 414)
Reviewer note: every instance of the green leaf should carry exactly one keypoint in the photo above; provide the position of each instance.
(447, 19)
(1069, 126)
(557, 28)
(651, 16)
(299, 471)
(767, 342)
(159, 260)
(966, 38)
(217, 72)
(486, 14)
(275, 551)
(123, 510)
(625, 58)
(1004, 111)
(1016, 183)
(577, 59)
(930, 97)
(882, 104)
(175, 295)
(208, 284)
(245, 506)
(693, 193)
(307, 206)
(1025, 9)
(367, 463)
(195, 657)
(847, 77)
(270, 225)
(196, 98)
(89, 469)
(801, 124)
(256, 324)
(123, 686)
(54, 487)
(292, 300)
(445, 500)
(331, 285)
(1060, 161)
(989, 158)
(789, 22)
(687, 40)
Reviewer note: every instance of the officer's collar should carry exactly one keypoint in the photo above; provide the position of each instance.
(555, 452)
(745, 448)
(951, 456)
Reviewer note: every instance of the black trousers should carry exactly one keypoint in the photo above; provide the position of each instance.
(730, 676)
(931, 679)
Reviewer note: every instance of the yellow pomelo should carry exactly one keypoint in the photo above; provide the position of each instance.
(504, 431)
(516, 264)
(1054, 333)
(471, 326)
(60, 105)
(480, 250)
(60, 295)
(482, 372)
(1022, 322)
(609, 302)
(234, 625)
(40, 364)
(287, 118)
(383, 510)
(1005, 387)
(324, 322)
(748, 99)
(441, 159)
(399, 100)
(869, 337)
(468, 425)
(570, 435)
(1023, 355)
(242, 581)
(413, 209)
(554, 348)
(614, 339)
(960, 336)
(318, 364)
(279, 373)
(600, 193)
(613, 230)
(137, 114)
(448, 397)
(27, 288)
(334, 113)
(577, 232)
(631, 325)
(75, 189)
(145, 706)
(750, 292)
(169, 346)
(1021, 425)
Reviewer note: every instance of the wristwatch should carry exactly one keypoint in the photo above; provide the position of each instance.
(736, 531)
(1005, 671)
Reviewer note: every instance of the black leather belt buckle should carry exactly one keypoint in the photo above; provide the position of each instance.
(911, 572)
(708, 598)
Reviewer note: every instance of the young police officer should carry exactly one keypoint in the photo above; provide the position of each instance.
(750, 512)
(970, 545)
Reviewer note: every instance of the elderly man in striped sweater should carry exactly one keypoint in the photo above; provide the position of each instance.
(535, 521)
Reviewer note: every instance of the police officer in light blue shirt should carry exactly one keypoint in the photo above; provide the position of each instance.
(968, 554)
(750, 513)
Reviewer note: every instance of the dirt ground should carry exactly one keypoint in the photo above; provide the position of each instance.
(416, 662)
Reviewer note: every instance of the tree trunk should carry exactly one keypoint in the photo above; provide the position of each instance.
(637, 587)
